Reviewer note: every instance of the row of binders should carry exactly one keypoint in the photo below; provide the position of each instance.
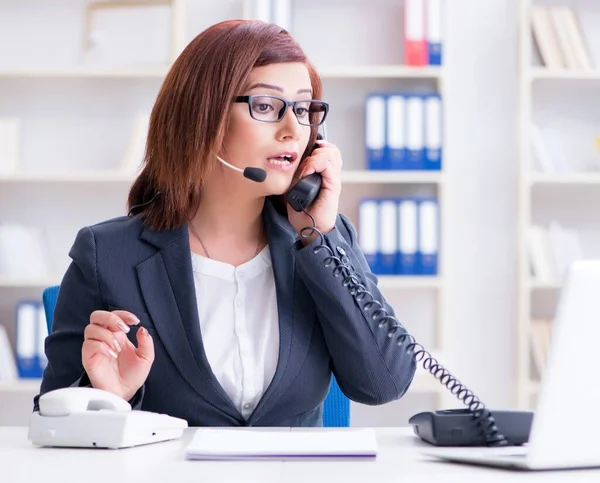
(31, 332)
(400, 236)
(423, 32)
(403, 131)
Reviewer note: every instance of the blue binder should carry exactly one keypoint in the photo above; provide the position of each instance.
(29, 362)
(375, 114)
(407, 236)
(396, 153)
(368, 232)
(388, 236)
(428, 233)
(433, 132)
(415, 120)
(435, 16)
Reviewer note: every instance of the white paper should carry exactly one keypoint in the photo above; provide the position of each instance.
(210, 443)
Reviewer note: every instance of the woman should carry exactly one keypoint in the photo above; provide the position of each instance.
(237, 319)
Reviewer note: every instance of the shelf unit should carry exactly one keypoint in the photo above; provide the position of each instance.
(100, 188)
(544, 94)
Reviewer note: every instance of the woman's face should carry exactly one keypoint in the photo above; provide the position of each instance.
(275, 147)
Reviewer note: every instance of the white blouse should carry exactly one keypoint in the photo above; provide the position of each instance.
(239, 323)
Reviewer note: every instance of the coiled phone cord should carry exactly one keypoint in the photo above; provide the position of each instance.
(357, 289)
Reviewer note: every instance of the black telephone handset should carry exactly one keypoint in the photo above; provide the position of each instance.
(306, 190)
(473, 426)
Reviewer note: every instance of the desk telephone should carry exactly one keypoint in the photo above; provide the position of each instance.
(93, 418)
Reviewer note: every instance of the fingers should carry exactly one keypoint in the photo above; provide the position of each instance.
(335, 156)
(145, 349)
(103, 335)
(118, 320)
(92, 348)
(320, 164)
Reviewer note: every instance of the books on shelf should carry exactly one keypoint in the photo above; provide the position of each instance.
(560, 38)
(423, 32)
(32, 331)
(403, 131)
(10, 144)
(539, 341)
(400, 236)
(551, 250)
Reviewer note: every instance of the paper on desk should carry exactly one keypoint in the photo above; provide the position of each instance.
(211, 443)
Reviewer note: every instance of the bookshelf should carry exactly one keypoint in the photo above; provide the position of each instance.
(559, 172)
(68, 168)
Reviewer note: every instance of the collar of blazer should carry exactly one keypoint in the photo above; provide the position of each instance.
(277, 225)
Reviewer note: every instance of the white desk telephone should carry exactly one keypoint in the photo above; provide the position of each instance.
(92, 418)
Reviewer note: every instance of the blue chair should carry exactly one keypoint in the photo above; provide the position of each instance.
(336, 409)
(49, 299)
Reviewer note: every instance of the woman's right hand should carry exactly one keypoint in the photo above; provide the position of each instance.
(110, 360)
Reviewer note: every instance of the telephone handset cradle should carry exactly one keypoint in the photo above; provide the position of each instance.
(86, 417)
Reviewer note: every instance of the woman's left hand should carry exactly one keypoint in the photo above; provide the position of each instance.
(327, 160)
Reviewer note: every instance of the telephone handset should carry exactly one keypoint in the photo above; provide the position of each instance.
(87, 417)
(306, 190)
(474, 426)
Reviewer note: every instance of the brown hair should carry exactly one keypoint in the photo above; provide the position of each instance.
(188, 120)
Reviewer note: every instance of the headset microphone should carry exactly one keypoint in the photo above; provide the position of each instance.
(254, 174)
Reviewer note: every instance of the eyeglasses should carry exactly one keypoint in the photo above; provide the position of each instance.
(272, 109)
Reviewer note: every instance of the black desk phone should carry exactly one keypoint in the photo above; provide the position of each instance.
(471, 426)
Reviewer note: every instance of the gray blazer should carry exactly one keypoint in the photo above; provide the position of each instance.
(122, 264)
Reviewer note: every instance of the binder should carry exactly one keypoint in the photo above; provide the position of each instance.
(41, 334)
(435, 32)
(388, 236)
(433, 133)
(415, 44)
(375, 131)
(396, 132)
(407, 236)
(368, 233)
(428, 234)
(27, 323)
(415, 132)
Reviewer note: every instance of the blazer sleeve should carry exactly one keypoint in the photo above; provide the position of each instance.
(78, 297)
(368, 365)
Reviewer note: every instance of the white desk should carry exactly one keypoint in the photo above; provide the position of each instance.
(398, 461)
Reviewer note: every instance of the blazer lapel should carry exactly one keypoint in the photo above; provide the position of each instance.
(167, 285)
(294, 340)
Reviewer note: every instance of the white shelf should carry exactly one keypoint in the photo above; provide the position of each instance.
(356, 176)
(27, 283)
(390, 177)
(539, 286)
(72, 177)
(335, 72)
(542, 73)
(86, 73)
(21, 385)
(380, 71)
(408, 282)
(566, 179)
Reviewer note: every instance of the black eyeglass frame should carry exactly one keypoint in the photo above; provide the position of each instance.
(248, 99)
